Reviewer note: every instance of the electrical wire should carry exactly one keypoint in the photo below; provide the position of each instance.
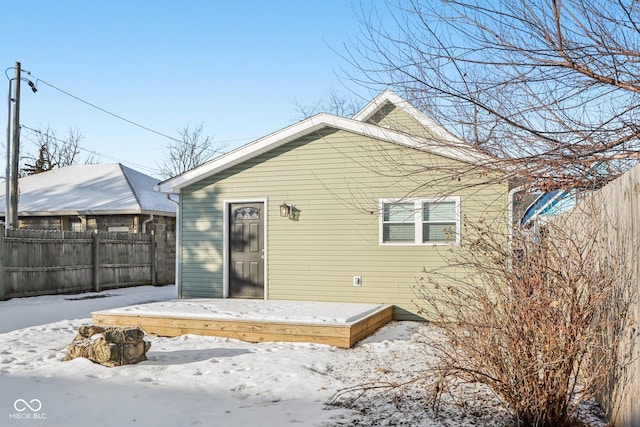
(117, 159)
(104, 110)
(123, 118)
(92, 152)
(131, 122)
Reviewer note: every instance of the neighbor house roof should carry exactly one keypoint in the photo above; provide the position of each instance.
(101, 189)
(444, 143)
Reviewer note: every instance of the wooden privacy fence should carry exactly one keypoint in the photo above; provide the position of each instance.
(37, 262)
(620, 208)
(611, 218)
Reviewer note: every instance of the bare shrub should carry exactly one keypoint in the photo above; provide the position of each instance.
(529, 320)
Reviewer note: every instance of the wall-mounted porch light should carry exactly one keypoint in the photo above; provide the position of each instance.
(289, 211)
(285, 210)
(294, 214)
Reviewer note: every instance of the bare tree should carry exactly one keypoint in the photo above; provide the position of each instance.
(192, 149)
(550, 86)
(53, 152)
(550, 89)
(334, 103)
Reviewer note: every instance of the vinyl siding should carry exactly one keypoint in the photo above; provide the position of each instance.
(396, 118)
(336, 180)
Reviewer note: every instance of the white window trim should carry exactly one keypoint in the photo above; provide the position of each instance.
(418, 203)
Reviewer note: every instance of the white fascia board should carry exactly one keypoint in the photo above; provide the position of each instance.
(456, 149)
(107, 212)
(243, 153)
(452, 149)
(89, 212)
(376, 103)
(49, 213)
(389, 96)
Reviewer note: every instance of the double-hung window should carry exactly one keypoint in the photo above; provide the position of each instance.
(420, 221)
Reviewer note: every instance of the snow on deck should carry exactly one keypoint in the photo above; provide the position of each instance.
(298, 312)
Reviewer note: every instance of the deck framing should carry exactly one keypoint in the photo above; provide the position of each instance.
(344, 335)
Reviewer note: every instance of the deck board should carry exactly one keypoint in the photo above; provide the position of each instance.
(303, 321)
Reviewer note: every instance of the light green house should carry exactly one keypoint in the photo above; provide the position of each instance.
(332, 209)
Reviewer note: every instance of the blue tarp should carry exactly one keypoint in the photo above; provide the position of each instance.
(550, 203)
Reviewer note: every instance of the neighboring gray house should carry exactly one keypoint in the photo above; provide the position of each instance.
(100, 198)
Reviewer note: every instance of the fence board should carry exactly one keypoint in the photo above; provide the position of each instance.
(39, 262)
(618, 218)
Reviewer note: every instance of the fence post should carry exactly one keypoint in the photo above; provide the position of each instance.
(154, 260)
(96, 262)
(2, 261)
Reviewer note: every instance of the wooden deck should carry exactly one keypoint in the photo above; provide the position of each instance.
(337, 324)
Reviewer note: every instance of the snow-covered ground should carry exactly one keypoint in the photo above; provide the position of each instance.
(19, 313)
(206, 381)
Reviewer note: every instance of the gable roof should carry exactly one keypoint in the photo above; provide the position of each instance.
(447, 146)
(101, 189)
(389, 97)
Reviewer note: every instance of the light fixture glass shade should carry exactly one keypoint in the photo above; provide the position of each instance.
(294, 214)
(285, 209)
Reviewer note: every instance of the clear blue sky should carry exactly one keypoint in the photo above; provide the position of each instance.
(237, 67)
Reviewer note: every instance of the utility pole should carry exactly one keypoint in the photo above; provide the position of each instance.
(7, 174)
(15, 151)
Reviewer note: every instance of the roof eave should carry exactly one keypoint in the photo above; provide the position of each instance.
(454, 149)
(248, 151)
(95, 212)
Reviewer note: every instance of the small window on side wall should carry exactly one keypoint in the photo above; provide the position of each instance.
(439, 222)
(398, 222)
(420, 221)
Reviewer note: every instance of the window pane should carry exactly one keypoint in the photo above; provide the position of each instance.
(247, 213)
(399, 212)
(439, 211)
(398, 233)
(433, 232)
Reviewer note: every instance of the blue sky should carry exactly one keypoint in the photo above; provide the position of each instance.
(237, 67)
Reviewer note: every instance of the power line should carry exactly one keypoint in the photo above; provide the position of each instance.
(108, 156)
(151, 170)
(92, 152)
(104, 110)
(125, 119)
